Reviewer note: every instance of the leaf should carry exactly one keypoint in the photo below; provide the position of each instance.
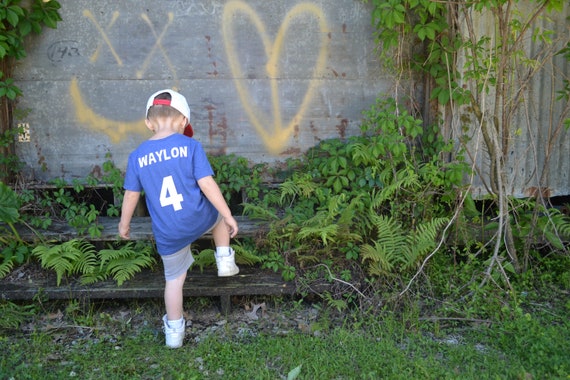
(123, 263)
(294, 373)
(6, 267)
(57, 258)
(554, 240)
(12, 17)
(443, 97)
(8, 205)
(421, 241)
(25, 27)
(325, 233)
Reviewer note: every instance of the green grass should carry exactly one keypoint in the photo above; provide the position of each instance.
(525, 347)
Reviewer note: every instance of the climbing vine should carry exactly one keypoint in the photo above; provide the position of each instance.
(479, 72)
(17, 20)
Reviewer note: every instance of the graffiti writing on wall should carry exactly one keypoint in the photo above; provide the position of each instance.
(116, 130)
(269, 125)
(103, 33)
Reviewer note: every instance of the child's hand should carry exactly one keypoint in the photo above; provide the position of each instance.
(125, 231)
(231, 225)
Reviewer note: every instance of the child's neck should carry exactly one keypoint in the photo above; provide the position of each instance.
(162, 130)
(162, 134)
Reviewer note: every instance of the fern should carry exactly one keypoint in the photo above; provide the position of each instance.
(14, 315)
(259, 212)
(380, 260)
(71, 257)
(555, 228)
(80, 257)
(339, 304)
(332, 223)
(204, 258)
(123, 263)
(406, 179)
(91, 278)
(301, 185)
(390, 242)
(562, 223)
(396, 249)
(324, 233)
(421, 242)
(244, 255)
(335, 205)
(124, 268)
(6, 267)
(356, 213)
(88, 262)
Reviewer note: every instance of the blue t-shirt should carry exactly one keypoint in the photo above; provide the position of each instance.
(168, 171)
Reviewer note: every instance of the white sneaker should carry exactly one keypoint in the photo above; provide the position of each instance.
(227, 265)
(174, 336)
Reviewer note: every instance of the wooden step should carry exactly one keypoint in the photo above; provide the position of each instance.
(25, 284)
(140, 230)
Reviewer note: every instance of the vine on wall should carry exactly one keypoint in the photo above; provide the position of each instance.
(479, 69)
(17, 20)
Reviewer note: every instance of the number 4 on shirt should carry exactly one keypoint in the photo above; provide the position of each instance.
(169, 195)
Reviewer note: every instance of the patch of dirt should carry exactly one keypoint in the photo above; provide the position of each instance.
(25, 272)
(70, 322)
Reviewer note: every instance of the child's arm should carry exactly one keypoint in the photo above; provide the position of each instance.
(212, 191)
(130, 201)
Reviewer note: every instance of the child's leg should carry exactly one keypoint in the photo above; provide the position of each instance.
(225, 256)
(173, 297)
(175, 268)
(221, 235)
(174, 323)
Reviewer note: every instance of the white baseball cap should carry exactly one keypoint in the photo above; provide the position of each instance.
(177, 101)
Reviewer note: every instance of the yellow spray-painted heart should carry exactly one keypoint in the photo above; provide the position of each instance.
(276, 136)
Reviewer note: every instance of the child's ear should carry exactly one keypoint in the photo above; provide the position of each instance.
(149, 125)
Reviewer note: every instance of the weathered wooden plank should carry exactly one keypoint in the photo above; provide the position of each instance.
(147, 284)
(140, 230)
(150, 284)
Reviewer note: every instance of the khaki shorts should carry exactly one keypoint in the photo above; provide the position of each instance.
(178, 263)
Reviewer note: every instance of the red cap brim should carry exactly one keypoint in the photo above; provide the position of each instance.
(188, 131)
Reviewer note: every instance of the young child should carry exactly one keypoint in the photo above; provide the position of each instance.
(183, 200)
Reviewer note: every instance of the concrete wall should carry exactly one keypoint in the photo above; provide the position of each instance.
(265, 79)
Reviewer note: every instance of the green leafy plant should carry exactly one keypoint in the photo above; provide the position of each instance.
(13, 250)
(80, 257)
(237, 177)
(78, 203)
(17, 20)
(75, 256)
(112, 177)
(121, 263)
(9, 209)
(476, 58)
(331, 208)
(395, 250)
(77, 213)
(9, 161)
(13, 315)
(245, 253)
(12, 253)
